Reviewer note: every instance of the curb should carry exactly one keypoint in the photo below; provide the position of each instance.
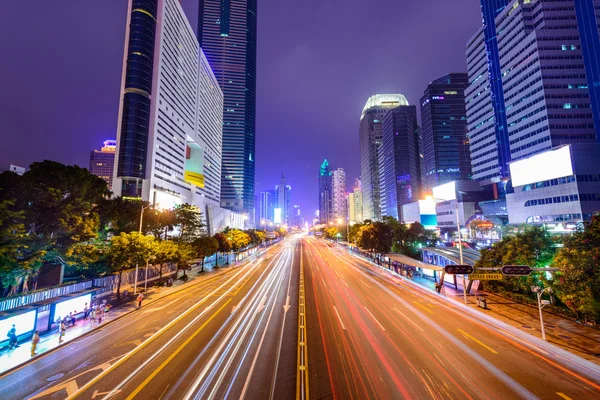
(87, 333)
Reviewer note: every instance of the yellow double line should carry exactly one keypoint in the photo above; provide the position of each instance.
(302, 357)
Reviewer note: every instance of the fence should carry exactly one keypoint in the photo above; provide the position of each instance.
(109, 283)
(34, 297)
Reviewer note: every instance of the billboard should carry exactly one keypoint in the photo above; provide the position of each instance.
(277, 215)
(74, 305)
(447, 191)
(550, 164)
(194, 165)
(23, 323)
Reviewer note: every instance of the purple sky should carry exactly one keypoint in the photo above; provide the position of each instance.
(318, 62)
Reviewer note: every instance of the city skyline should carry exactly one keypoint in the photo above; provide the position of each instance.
(290, 51)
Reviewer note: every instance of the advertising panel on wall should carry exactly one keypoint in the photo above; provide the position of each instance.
(541, 167)
(74, 305)
(24, 323)
(447, 191)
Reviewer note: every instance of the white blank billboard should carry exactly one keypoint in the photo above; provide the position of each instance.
(23, 323)
(447, 191)
(75, 305)
(277, 215)
(550, 164)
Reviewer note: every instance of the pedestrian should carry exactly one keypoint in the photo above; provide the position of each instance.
(85, 311)
(106, 309)
(12, 338)
(71, 319)
(92, 315)
(34, 342)
(139, 300)
(61, 331)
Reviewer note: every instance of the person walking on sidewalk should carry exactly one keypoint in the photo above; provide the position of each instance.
(139, 300)
(34, 342)
(61, 331)
(12, 338)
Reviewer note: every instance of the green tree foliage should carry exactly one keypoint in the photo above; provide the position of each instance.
(159, 222)
(256, 237)
(128, 250)
(89, 258)
(189, 220)
(224, 244)
(185, 253)
(238, 239)
(205, 246)
(165, 252)
(577, 283)
(377, 237)
(119, 215)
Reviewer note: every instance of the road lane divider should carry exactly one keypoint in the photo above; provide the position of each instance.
(302, 356)
(465, 334)
(408, 319)
(339, 318)
(564, 396)
(371, 314)
(423, 307)
(176, 352)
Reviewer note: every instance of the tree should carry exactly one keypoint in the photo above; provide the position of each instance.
(224, 245)
(90, 258)
(165, 252)
(377, 237)
(205, 246)
(119, 215)
(577, 283)
(238, 239)
(354, 235)
(189, 220)
(127, 250)
(256, 237)
(185, 253)
(159, 222)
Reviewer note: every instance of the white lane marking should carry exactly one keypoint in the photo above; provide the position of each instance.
(323, 282)
(381, 326)
(409, 320)
(339, 318)
(364, 283)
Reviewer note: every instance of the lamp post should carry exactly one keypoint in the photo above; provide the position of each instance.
(137, 264)
(339, 221)
(541, 303)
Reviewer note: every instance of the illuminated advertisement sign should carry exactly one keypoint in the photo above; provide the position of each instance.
(277, 215)
(446, 191)
(23, 323)
(194, 165)
(542, 167)
(75, 305)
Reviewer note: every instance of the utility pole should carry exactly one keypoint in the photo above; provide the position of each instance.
(460, 252)
(541, 303)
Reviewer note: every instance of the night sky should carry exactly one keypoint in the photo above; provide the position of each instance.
(318, 62)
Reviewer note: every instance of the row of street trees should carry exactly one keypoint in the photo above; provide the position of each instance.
(62, 214)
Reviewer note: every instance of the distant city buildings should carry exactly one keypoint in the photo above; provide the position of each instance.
(355, 206)
(369, 141)
(283, 202)
(227, 35)
(297, 219)
(399, 160)
(102, 161)
(325, 194)
(267, 201)
(444, 130)
(12, 168)
(338, 194)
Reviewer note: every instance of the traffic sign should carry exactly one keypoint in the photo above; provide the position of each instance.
(485, 277)
(458, 269)
(516, 270)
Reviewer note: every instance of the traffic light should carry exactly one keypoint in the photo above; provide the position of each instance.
(516, 270)
(458, 269)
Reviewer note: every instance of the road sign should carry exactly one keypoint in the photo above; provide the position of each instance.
(516, 270)
(458, 269)
(485, 277)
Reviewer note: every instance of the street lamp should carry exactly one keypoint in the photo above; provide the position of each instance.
(339, 221)
(137, 264)
(541, 303)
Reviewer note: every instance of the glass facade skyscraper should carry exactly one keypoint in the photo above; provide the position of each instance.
(325, 193)
(444, 131)
(227, 35)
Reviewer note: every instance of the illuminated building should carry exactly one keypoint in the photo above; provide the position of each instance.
(338, 194)
(325, 194)
(102, 161)
(399, 160)
(227, 34)
(283, 200)
(444, 130)
(557, 188)
(12, 168)
(266, 203)
(169, 136)
(369, 141)
(355, 207)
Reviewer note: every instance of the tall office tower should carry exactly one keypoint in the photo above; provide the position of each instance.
(170, 119)
(325, 194)
(284, 201)
(297, 219)
(370, 140)
(266, 205)
(102, 162)
(227, 35)
(444, 130)
(355, 203)
(338, 194)
(399, 160)
(486, 114)
(550, 63)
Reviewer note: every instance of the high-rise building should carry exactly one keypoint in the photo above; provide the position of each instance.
(12, 168)
(444, 130)
(227, 35)
(400, 160)
(102, 162)
(370, 141)
(297, 219)
(266, 205)
(338, 194)
(284, 201)
(325, 194)
(170, 118)
(355, 203)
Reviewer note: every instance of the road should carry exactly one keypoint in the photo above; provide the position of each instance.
(381, 337)
(220, 338)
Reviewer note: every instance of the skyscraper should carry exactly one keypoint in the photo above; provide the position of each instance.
(444, 130)
(325, 193)
(369, 141)
(102, 162)
(338, 194)
(170, 120)
(284, 200)
(227, 35)
(266, 205)
(400, 160)
(355, 203)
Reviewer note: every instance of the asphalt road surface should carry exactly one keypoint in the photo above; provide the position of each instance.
(304, 320)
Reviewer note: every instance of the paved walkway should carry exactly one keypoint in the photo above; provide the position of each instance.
(49, 340)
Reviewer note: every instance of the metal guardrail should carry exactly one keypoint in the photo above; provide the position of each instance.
(40, 295)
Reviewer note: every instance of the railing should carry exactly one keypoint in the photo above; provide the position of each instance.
(40, 295)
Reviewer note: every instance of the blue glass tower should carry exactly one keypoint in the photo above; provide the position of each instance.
(489, 10)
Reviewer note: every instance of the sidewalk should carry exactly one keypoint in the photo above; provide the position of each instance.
(574, 337)
(48, 341)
